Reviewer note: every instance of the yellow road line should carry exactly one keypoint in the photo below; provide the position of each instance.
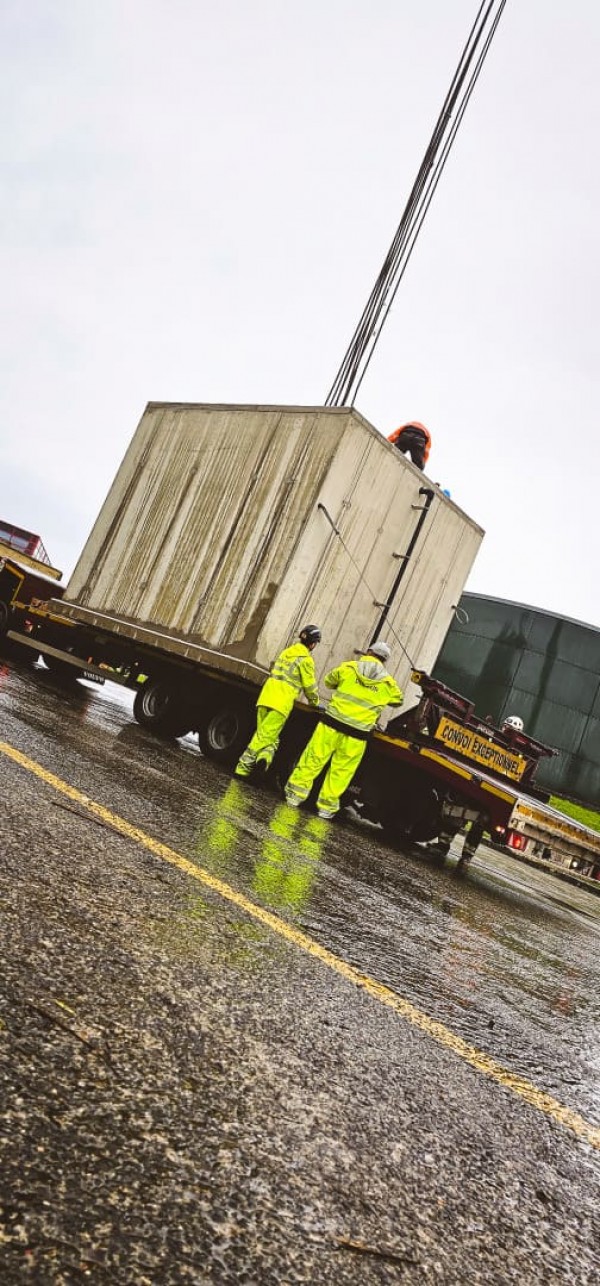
(437, 1031)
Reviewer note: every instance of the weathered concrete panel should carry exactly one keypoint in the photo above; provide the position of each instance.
(213, 530)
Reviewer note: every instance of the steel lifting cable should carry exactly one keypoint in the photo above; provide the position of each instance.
(365, 330)
(366, 323)
(364, 580)
(360, 351)
(428, 196)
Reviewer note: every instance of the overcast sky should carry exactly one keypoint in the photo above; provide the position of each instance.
(197, 197)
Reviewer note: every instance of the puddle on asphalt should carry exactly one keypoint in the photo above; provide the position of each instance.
(502, 962)
(508, 973)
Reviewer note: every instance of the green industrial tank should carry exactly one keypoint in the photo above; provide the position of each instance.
(512, 659)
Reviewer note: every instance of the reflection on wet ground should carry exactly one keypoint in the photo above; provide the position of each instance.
(504, 956)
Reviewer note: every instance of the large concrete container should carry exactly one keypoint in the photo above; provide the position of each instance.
(215, 530)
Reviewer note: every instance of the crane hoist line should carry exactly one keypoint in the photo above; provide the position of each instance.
(358, 356)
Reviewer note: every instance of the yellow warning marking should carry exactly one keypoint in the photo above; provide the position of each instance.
(392, 741)
(495, 790)
(476, 1058)
(483, 750)
(439, 759)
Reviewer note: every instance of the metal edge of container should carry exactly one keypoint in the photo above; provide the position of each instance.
(312, 410)
(168, 643)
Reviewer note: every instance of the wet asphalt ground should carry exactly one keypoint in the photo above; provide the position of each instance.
(191, 1093)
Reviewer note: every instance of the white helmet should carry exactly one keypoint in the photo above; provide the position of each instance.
(514, 721)
(379, 649)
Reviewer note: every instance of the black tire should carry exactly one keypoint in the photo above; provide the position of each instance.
(226, 731)
(9, 647)
(160, 708)
(6, 645)
(414, 818)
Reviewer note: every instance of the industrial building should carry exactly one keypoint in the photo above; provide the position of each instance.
(512, 659)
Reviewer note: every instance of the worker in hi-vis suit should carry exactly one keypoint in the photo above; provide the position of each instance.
(361, 691)
(292, 674)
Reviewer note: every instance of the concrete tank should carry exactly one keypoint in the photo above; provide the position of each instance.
(216, 529)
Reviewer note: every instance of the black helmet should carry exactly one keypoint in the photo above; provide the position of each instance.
(310, 634)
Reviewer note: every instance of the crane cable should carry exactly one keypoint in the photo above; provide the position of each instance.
(424, 182)
(360, 351)
(431, 187)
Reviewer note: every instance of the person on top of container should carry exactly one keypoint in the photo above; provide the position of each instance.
(292, 674)
(413, 439)
(361, 691)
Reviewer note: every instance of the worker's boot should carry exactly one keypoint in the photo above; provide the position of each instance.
(437, 848)
(463, 862)
(440, 846)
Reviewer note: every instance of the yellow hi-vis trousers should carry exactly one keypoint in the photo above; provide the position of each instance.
(327, 745)
(264, 743)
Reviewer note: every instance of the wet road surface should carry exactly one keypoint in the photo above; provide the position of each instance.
(193, 1096)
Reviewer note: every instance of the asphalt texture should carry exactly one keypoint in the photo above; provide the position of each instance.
(190, 1095)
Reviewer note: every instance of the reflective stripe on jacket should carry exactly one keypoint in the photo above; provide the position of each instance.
(414, 424)
(292, 674)
(362, 690)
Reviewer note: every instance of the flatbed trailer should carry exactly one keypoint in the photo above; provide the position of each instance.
(227, 528)
(435, 768)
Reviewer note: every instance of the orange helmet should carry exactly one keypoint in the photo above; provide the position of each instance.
(413, 424)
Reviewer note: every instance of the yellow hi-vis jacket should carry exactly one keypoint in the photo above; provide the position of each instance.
(292, 674)
(362, 690)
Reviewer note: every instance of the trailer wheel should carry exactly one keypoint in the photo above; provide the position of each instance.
(226, 732)
(415, 817)
(156, 706)
(7, 647)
